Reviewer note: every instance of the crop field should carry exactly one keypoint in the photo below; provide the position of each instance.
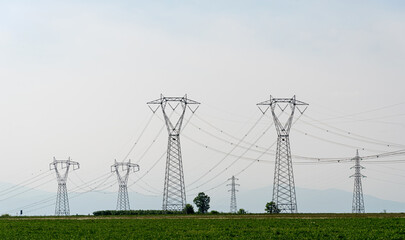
(261, 226)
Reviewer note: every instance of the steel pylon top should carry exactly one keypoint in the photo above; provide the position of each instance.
(281, 104)
(272, 102)
(173, 124)
(167, 100)
(64, 164)
(124, 166)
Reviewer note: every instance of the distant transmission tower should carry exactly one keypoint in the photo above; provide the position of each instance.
(233, 191)
(283, 187)
(358, 201)
(61, 168)
(122, 169)
(174, 193)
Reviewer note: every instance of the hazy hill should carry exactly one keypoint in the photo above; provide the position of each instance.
(309, 201)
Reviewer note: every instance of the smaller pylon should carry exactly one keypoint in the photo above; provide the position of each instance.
(358, 201)
(61, 168)
(122, 169)
(233, 191)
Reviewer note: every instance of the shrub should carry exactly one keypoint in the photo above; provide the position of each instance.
(241, 211)
(189, 209)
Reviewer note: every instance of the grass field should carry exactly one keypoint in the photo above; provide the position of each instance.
(286, 226)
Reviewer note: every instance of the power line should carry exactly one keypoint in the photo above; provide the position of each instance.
(139, 137)
(228, 154)
(22, 184)
(368, 139)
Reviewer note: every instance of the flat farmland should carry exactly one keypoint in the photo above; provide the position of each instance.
(249, 226)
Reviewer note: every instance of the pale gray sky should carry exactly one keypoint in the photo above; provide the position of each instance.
(75, 77)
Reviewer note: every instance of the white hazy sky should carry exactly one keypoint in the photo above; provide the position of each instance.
(75, 77)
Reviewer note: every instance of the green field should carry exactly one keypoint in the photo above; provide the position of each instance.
(286, 226)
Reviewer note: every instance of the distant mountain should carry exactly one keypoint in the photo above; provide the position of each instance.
(37, 202)
(311, 201)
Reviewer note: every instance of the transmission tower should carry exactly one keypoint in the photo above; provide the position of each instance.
(174, 193)
(61, 168)
(283, 187)
(358, 201)
(122, 169)
(233, 191)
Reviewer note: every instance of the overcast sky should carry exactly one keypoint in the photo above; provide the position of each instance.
(75, 77)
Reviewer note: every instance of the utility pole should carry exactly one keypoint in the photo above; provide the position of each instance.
(358, 201)
(283, 187)
(233, 191)
(122, 169)
(61, 168)
(174, 193)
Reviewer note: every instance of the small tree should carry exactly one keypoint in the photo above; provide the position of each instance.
(271, 207)
(202, 201)
(241, 211)
(189, 209)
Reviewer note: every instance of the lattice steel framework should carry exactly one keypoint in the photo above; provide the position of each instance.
(283, 187)
(174, 193)
(358, 201)
(122, 169)
(233, 191)
(61, 168)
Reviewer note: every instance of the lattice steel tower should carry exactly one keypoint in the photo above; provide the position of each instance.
(61, 168)
(233, 191)
(174, 193)
(122, 169)
(283, 187)
(358, 201)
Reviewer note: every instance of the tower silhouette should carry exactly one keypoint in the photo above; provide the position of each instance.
(283, 187)
(174, 192)
(62, 168)
(358, 201)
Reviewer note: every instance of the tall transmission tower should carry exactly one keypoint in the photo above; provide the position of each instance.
(358, 201)
(122, 169)
(174, 193)
(233, 191)
(61, 168)
(283, 187)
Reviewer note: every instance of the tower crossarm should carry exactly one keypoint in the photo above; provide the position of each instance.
(122, 169)
(166, 103)
(62, 168)
(274, 101)
(274, 104)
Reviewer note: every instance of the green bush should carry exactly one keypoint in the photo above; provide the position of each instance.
(189, 209)
(241, 211)
(133, 212)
